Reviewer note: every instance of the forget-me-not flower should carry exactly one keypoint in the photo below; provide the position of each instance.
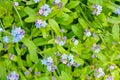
(6, 39)
(13, 76)
(17, 34)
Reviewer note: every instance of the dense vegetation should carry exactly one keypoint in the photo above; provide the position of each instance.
(59, 40)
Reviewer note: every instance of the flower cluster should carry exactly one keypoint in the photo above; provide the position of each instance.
(17, 34)
(45, 10)
(87, 33)
(97, 9)
(60, 41)
(96, 48)
(99, 73)
(48, 62)
(13, 76)
(117, 11)
(68, 59)
(40, 23)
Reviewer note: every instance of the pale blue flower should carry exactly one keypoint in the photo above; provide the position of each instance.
(109, 78)
(6, 39)
(40, 23)
(87, 33)
(17, 34)
(45, 10)
(1, 29)
(36, 1)
(64, 56)
(96, 48)
(44, 62)
(111, 67)
(99, 73)
(16, 3)
(117, 11)
(97, 9)
(57, 1)
(13, 76)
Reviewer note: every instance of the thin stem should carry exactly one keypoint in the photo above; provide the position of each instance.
(18, 15)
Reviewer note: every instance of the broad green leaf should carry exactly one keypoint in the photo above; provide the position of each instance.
(31, 48)
(72, 4)
(77, 30)
(54, 26)
(30, 19)
(100, 2)
(43, 78)
(64, 19)
(102, 57)
(79, 60)
(116, 75)
(82, 23)
(7, 20)
(61, 49)
(39, 41)
(29, 11)
(65, 76)
(114, 20)
(115, 32)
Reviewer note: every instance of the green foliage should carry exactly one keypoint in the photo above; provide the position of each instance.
(78, 39)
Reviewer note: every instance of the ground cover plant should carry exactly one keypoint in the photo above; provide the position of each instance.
(59, 40)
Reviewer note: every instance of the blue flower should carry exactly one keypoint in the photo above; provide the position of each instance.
(6, 39)
(40, 23)
(16, 4)
(36, 1)
(17, 34)
(45, 10)
(97, 9)
(13, 76)
(117, 11)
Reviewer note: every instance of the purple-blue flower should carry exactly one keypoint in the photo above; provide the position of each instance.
(97, 9)
(99, 73)
(45, 10)
(13, 76)
(40, 23)
(6, 39)
(17, 34)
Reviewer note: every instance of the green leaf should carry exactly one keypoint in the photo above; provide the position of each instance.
(43, 78)
(7, 20)
(1, 46)
(64, 19)
(30, 19)
(77, 30)
(114, 20)
(29, 11)
(102, 57)
(116, 75)
(65, 76)
(61, 49)
(79, 61)
(82, 23)
(39, 41)
(72, 4)
(18, 49)
(54, 26)
(115, 32)
(31, 48)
